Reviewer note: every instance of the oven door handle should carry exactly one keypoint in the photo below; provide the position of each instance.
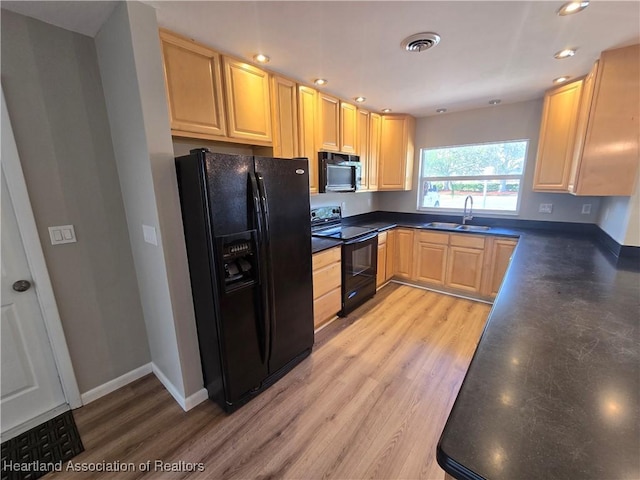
(362, 239)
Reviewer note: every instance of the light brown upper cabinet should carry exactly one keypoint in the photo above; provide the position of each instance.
(396, 152)
(348, 131)
(248, 101)
(284, 111)
(557, 138)
(328, 123)
(373, 164)
(589, 130)
(362, 131)
(307, 127)
(606, 157)
(194, 88)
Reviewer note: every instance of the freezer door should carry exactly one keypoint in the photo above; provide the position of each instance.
(284, 184)
(238, 316)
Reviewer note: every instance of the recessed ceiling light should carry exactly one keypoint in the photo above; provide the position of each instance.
(495, 101)
(572, 7)
(561, 79)
(261, 58)
(320, 81)
(360, 99)
(566, 53)
(386, 110)
(441, 110)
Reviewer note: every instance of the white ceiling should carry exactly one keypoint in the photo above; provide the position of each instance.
(500, 49)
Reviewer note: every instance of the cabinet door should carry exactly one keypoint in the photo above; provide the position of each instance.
(396, 152)
(362, 131)
(381, 275)
(307, 120)
(284, 117)
(464, 268)
(348, 130)
(391, 254)
(431, 262)
(375, 130)
(609, 160)
(194, 87)
(248, 101)
(501, 253)
(404, 252)
(430, 256)
(557, 138)
(328, 123)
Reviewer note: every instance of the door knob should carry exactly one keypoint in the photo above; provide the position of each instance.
(22, 285)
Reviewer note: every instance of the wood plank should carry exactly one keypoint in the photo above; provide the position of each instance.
(371, 401)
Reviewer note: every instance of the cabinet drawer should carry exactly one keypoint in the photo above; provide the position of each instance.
(433, 237)
(323, 259)
(326, 306)
(326, 279)
(382, 238)
(467, 240)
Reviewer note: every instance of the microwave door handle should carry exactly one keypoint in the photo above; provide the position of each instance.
(264, 268)
(262, 189)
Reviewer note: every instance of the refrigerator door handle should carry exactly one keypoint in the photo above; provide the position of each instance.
(265, 211)
(264, 267)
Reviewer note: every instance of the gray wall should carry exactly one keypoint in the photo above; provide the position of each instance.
(131, 67)
(351, 203)
(55, 99)
(620, 217)
(505, 122)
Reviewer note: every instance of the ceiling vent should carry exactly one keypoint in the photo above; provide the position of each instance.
(420, 42)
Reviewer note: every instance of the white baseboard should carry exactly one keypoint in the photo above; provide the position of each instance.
(186, 403)
(116, 383)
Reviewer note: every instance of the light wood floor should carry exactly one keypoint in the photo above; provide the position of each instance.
(370, 402)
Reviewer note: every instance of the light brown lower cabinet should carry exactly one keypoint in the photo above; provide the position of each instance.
(498, 257)
(327, 285)
(430, 252)
(404, 253)
(381, 275)
(470, 264)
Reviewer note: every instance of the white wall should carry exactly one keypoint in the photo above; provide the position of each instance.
(504, 122)
(351, 203)
(56, 102)
(131, 68)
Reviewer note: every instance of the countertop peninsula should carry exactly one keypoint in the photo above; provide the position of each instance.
(553, 389)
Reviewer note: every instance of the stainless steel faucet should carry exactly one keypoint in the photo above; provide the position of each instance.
(468, 216)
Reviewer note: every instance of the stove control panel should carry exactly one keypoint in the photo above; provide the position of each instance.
(325, 215)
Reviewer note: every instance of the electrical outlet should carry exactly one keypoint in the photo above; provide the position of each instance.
(545, 208)
(586, 208)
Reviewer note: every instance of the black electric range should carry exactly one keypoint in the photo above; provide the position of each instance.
(327, 222)
(359, 255)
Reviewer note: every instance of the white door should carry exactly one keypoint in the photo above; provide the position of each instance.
(30, 386)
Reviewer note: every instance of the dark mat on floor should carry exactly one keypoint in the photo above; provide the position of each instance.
(44, 448)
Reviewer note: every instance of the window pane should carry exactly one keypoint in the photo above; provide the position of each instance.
(487, 159)
(486, 194)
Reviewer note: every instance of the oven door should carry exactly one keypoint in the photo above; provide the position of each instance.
(359, 268)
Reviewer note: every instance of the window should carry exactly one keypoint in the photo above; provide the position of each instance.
(491, 173)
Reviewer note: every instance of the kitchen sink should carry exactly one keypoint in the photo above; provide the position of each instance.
(473, 228)
(443, 225)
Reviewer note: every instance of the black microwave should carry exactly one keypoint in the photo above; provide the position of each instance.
(339, 172)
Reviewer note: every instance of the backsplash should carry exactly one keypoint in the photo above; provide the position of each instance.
(351, 203)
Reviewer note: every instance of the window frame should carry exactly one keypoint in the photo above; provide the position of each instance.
(422, 178)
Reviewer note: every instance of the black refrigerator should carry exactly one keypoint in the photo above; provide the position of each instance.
(248, 235)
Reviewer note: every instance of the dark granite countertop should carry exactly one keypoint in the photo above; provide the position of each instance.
(553, 389)
(319, 244)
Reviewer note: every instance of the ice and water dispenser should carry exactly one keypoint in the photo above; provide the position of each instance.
(239, 263)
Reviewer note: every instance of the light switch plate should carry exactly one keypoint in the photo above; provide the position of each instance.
(149, 234)
(546, 208)
(62, 234)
